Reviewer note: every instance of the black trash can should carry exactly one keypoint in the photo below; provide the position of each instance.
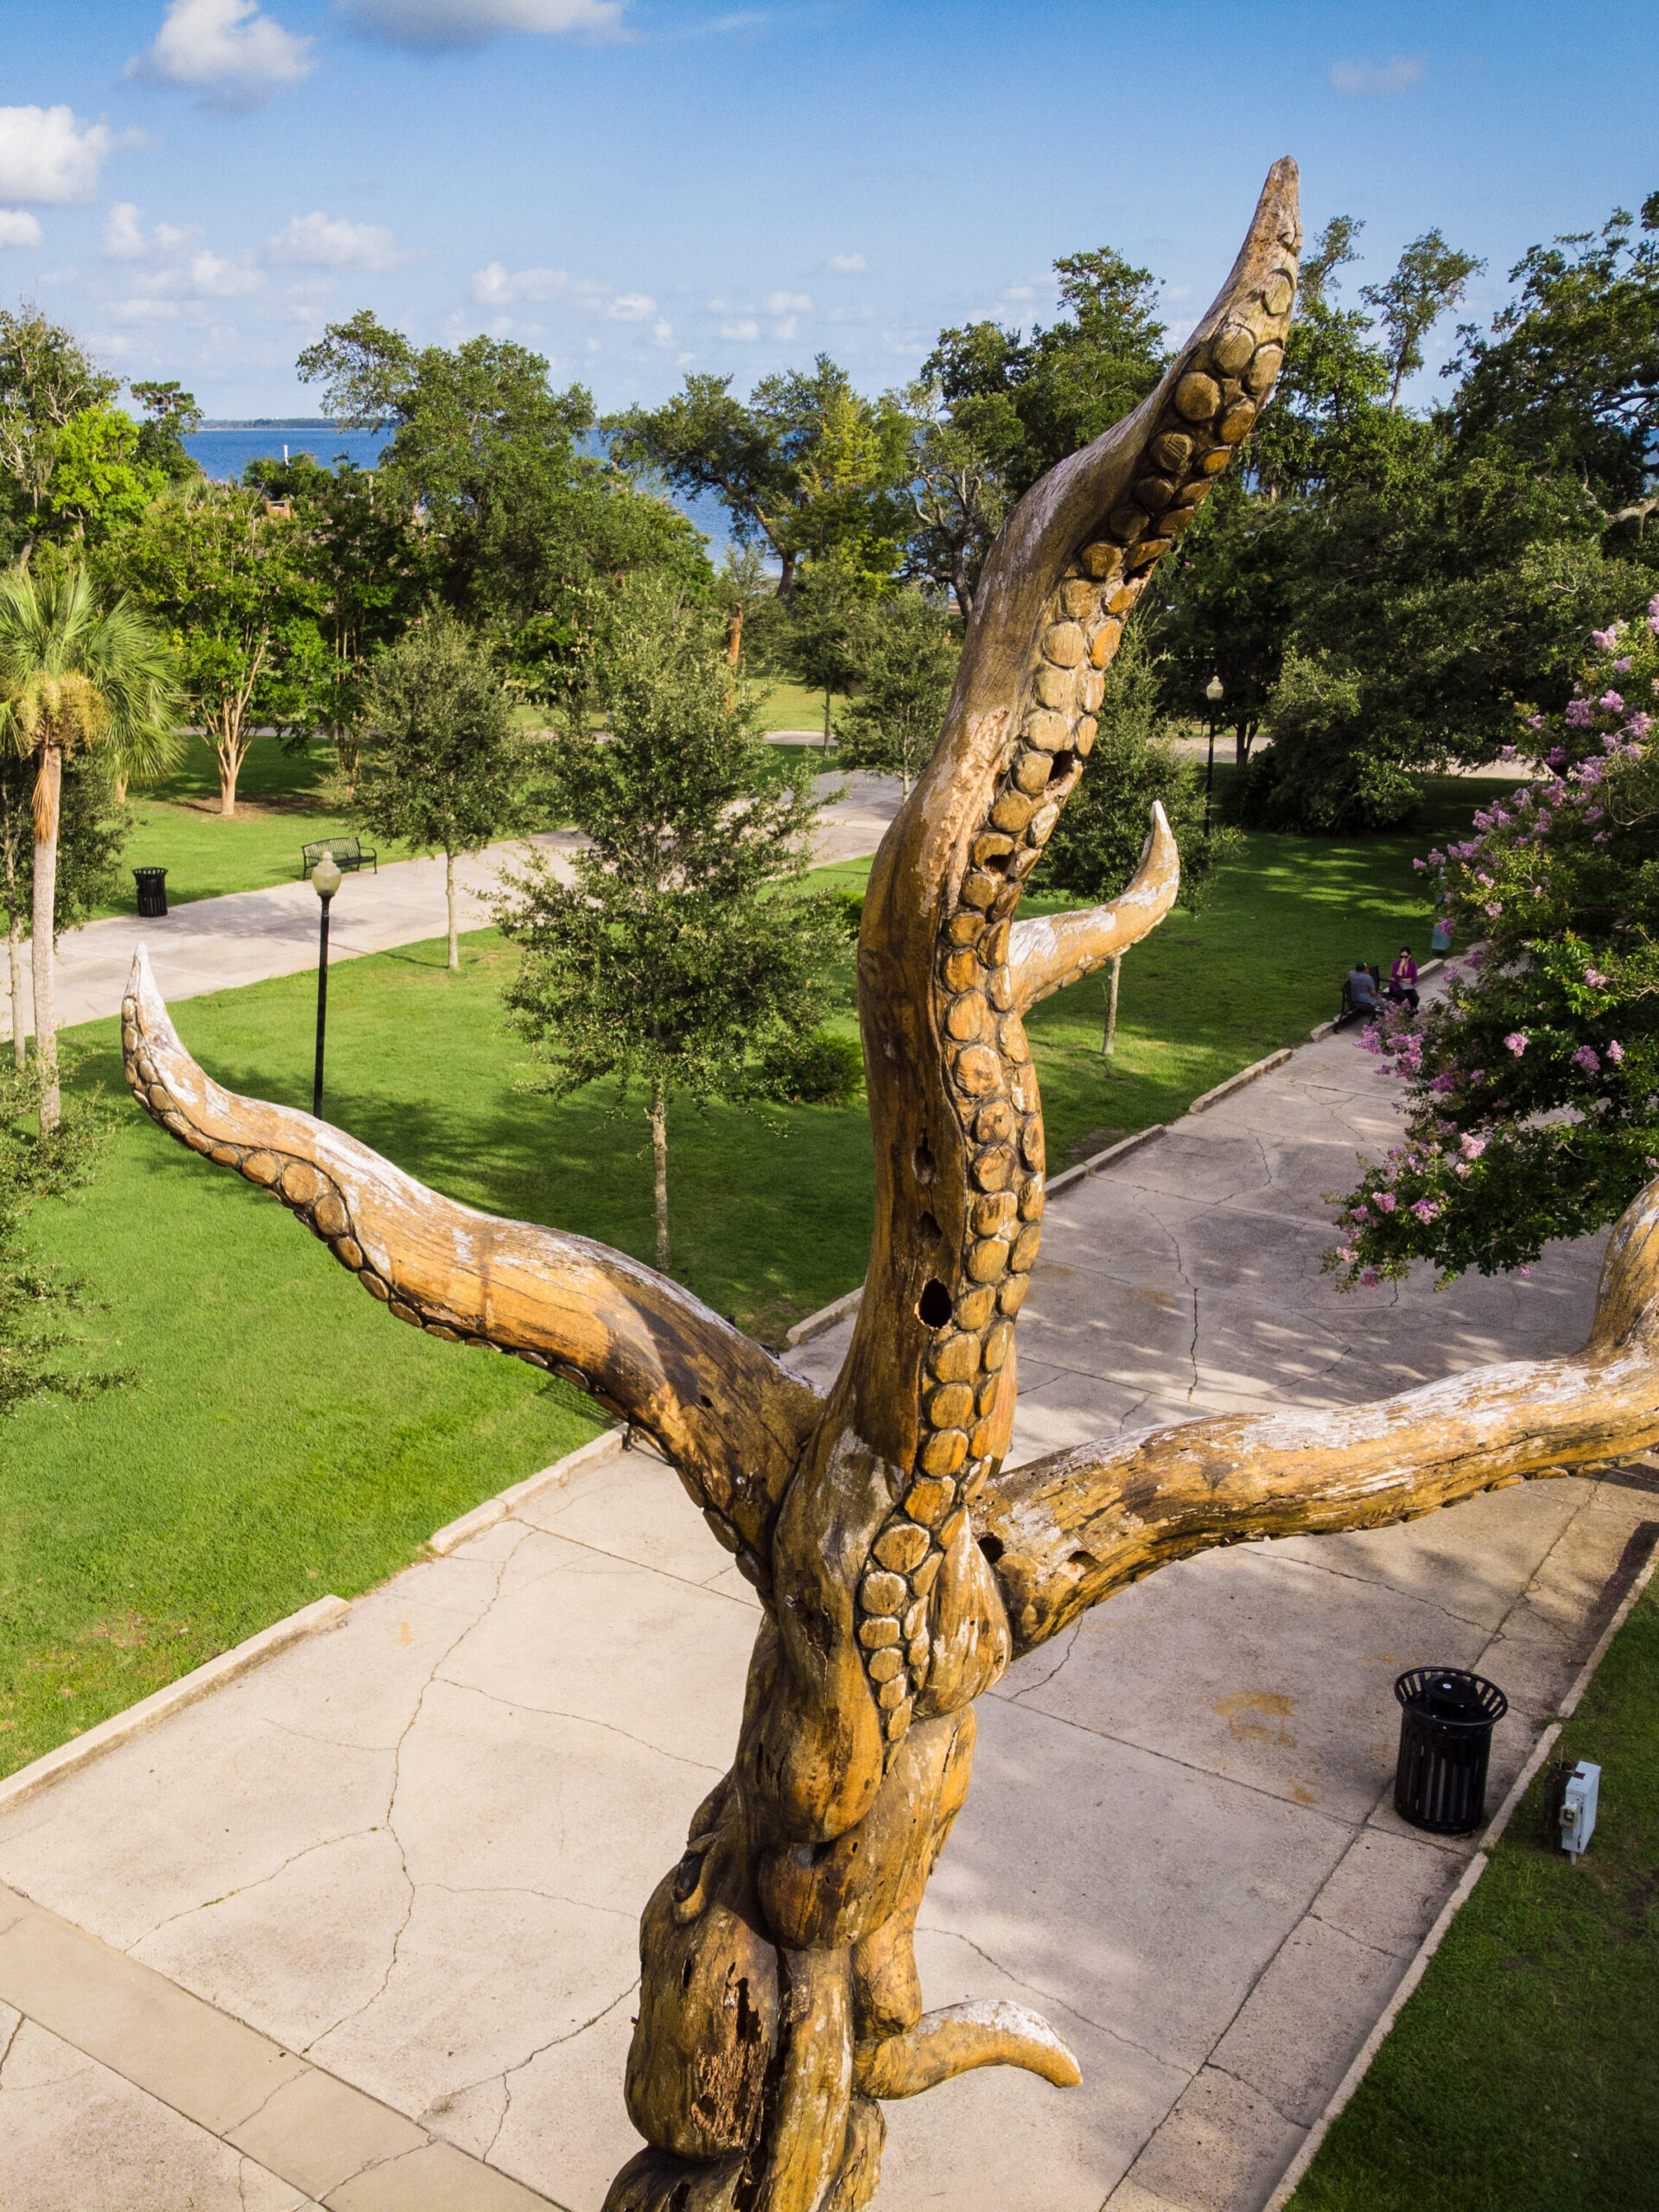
(1447, 1719)
(152, 889)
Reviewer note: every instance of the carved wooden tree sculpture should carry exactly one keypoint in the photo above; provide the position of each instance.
(900, 1566)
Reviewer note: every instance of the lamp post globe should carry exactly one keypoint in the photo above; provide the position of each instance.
(326, 878)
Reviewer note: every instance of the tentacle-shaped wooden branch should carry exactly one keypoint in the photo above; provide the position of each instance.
(1065, 1532)
(958, 2039)
(731, 1419)
(1052, 951)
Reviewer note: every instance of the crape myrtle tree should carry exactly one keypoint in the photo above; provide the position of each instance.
(231, 585)
(679, 952)
(77, 676)
(446, 767)
(47, 379)
(1099, 842)
(1532, 1089)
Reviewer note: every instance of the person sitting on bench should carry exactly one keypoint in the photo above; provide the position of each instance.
(1363, 994)
(1403, 979)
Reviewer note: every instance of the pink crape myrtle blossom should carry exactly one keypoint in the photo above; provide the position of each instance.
(1471, 1147)
(1606, 639)
(1615, 1051)
(1588, 1059)
(1516, 1042)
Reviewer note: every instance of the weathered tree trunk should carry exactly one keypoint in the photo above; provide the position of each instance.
(15, 984)
(230, 754)
(449, 900)
(49, 800)
(657, 1113)
(898, 1564)
(1109, 1042)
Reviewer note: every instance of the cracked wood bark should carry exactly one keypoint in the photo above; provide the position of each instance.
(898, 1565)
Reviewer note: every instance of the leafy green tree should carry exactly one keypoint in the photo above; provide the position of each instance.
(102, 483)
(903, 655)
(1431, 279)
(1533, 1087)
(47, 378)
(526, 533)
(76, 676)
(819, 643)
(1232, 598)
(806, 467)
(1098, 841)
(372, 568)
(232, 586)
(678, 951)
(958, 495)
(446, 768)
(92, 829)
(170, 416)
(1022, 404)
(1569, 376)
(52, 1159)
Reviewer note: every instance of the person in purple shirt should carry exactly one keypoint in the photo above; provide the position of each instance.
(1403, 979)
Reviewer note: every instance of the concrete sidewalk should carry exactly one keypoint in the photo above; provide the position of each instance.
(213, 944)
(411, 1853)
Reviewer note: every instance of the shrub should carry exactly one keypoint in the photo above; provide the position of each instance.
(816, 1071)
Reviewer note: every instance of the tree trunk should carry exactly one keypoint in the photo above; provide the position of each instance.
(657, 1112)
(449, 895)
(231, 753)
(48, 792)
(121, 791)
(1109, 1043)
(15, 983)
(964, 592)
(826, 717)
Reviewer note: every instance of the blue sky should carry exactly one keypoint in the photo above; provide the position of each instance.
(636, 187)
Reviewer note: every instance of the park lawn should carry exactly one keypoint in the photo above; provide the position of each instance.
(282, 803)
(791, 706)
(1521, 2070)
(282, 1440)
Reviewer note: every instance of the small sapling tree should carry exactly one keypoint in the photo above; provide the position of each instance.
(1097, 843)
(447, 768)
(903, 652)
(679, 952)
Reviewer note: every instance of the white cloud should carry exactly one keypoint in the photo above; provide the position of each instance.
(663, 331)
(631, 307)
(320, 241)
(227, 51)
(126, 239)
(470, 23)
(1019, 292)
(744, 331)
(1361, 79)
(216, 278)
(17, 228)
(786, 303)
(147, 310)
(847, 264)
(45, 155)
(497, 286)
(785, 329)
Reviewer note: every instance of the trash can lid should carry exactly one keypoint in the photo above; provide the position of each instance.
(1452, 1696)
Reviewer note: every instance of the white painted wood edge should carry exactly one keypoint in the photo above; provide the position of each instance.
(1257, 1068)
(201, 1682)
(1460, 1896)
(507, 1502)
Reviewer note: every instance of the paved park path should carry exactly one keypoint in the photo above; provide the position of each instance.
(360, 1928)
(212, 944)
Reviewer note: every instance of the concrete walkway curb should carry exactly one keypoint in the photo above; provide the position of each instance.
(325, 1612)
(1206, 1099)
(507, 1502)
(1093, 1164)
(1292, 2177)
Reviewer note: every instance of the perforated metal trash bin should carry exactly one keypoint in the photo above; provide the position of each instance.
(152, 889)
(1447, 1719)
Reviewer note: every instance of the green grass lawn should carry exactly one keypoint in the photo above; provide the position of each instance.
(282, 803)
(791, 706)
(1521, 2072)
(283, 1441)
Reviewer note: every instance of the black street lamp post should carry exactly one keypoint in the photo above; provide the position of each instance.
(1213, 692)
(325, 881)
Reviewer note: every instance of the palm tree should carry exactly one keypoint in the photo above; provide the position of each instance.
(75, 675)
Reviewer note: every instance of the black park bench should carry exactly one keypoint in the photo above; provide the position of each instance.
(348, 854)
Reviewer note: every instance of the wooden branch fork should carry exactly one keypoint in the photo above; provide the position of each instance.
(899, 1565)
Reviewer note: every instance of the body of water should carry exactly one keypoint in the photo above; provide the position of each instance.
(225, 453)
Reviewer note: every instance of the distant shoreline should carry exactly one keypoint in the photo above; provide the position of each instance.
(275, 422)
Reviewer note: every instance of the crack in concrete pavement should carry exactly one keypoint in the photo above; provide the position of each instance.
(582, 1720)
(1101, 2027)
